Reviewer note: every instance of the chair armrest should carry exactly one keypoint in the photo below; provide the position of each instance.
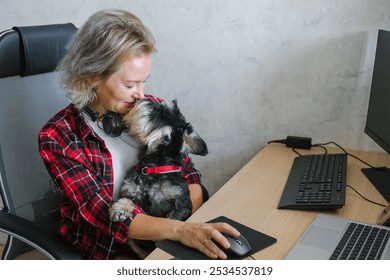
(40, 237)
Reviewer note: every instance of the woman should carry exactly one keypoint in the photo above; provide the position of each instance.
(105, 69)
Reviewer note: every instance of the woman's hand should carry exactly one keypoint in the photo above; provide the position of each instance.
(203, 236)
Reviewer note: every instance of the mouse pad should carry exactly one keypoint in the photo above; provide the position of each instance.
(256, 239)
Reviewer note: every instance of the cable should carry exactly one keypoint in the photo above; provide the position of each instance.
(297, 142)
(325, 149)
(281, 141)
(349, 154)
(295, 151)
(377, 203)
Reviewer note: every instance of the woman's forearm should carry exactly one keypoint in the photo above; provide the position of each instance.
(196, 196)
(146, 227)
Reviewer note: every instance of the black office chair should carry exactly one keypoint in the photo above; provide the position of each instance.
(29, 95)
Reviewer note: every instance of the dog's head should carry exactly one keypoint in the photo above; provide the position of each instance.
(162, 125)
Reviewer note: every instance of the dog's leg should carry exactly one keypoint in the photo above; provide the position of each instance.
(131, 190)
(133, 187)
(121, 210)
(183, 208)
(170, 199)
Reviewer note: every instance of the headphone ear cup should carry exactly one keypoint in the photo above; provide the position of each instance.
(112, 124)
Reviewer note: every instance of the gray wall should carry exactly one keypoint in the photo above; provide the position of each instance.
(249, 71)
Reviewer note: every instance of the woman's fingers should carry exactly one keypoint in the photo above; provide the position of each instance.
(208, 238)
(212, 251)
(218, 240)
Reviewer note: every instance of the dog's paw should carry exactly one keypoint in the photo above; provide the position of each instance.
(121, 210)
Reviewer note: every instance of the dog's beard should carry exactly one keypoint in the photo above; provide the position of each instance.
(137, 121)
(194, 144)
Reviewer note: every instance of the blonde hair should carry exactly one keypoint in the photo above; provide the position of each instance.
(98, 49)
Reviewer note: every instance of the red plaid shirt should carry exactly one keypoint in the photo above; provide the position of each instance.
(81, 166)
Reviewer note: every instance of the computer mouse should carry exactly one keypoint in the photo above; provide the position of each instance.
(239, 246)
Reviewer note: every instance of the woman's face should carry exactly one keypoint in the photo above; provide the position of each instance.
(119, 91)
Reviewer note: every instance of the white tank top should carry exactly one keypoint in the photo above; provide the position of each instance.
(124, 151)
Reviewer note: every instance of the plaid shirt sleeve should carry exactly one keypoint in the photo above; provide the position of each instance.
(191, 174)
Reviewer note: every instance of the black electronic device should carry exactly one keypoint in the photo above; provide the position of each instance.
(112, 121)
(239, 246)
(297, 142)
(316, 182)
(378, 116)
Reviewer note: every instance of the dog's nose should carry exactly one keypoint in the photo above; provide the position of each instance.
(205, 153)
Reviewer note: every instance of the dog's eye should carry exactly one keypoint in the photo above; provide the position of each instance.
(167, 140)
(180, 130)
(189, 128)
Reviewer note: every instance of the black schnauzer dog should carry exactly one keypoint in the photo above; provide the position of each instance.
(157, 183)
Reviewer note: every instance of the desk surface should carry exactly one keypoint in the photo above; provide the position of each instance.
(252, 195)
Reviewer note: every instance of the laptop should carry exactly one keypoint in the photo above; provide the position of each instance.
(333, 238)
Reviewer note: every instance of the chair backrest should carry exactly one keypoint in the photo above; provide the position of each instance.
(30, 94)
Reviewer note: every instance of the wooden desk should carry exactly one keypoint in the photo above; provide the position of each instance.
(251, 197)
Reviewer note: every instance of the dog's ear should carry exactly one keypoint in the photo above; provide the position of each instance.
(193, 143)
(176, 108)
(174, 102)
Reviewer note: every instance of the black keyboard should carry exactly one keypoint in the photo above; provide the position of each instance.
(361, 242)
(316, 182)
